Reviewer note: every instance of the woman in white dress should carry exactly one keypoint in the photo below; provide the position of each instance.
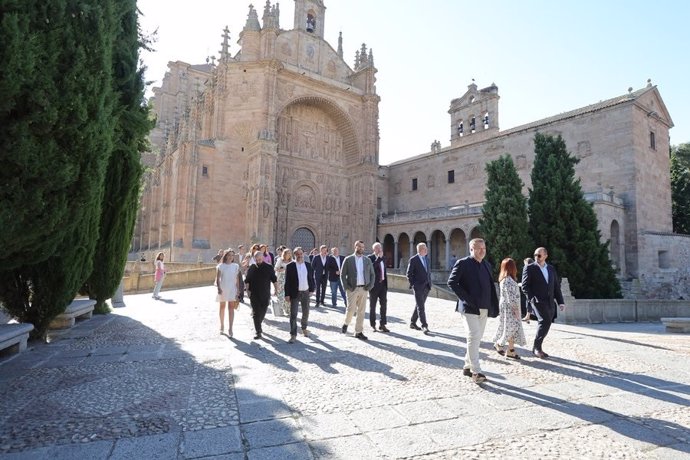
(509, 319)
(281, 262)
(227, 282)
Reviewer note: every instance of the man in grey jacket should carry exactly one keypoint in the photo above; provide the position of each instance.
(357, 276)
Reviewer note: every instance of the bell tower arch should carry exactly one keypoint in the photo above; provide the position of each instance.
(310, 16)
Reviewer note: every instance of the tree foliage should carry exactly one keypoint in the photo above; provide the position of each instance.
(563, 222)
(504, 221)
(123, 176)
(55, 147)
(680, 188)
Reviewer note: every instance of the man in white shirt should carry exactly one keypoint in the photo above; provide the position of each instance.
(333, 264)
(357, 276)
(299, 286)
(380, 290)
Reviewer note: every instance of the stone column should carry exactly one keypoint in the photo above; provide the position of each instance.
(396, 263)
(447, 254)
(411, 248)
(118, 298)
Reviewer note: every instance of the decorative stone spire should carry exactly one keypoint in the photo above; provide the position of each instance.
(225, 46)
(271, 16)
(340, 45)
(364, 62)
(252, 20)
(357, 60)
(371, 57)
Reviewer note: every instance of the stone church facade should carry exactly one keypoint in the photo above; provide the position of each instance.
(277, 144)
(280, 144)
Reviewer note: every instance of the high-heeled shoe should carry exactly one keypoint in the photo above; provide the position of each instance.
(526, 318)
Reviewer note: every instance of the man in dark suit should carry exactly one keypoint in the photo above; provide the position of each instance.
(299, 286)
(542, 286)
(333, 265)
(419, 276)
(258, 283)
(472, 282)
(380, 289)
(320, 274)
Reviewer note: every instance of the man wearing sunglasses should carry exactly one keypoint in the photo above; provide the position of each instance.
(542, 286)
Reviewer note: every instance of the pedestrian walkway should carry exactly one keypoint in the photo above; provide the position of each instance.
(156, 380)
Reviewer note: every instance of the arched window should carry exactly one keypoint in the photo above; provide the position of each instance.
(311, 22)
(473, 125)
(486, 120)
(460, 128)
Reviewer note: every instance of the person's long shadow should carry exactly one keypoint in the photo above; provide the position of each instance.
(661, 433)
(636, 383)
(343, 357)
(616, 339)
(257, 350)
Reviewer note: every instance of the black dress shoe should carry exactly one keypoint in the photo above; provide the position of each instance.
(361, 336)
(344, 328)
(540, 354)
(425, 329)
(257, 336)
(415, 327)
(467, 372)
(383, 328)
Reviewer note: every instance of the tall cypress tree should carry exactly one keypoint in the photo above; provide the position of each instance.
(564, 222)
(76, 36)
(123, 176)
(504, 218)
(35, 172)
(680, 188)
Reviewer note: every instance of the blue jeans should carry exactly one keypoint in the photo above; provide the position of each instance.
(335, 285)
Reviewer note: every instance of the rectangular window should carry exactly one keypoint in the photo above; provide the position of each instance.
(652, 140)
(378, 203)
(451, 176)
(664, 259)
(414, 184)
(204, 171)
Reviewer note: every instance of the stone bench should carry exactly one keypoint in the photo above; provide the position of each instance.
(13, 337)
(78, 309)
(676, 324)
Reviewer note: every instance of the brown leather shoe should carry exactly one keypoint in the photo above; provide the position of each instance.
(540, 354)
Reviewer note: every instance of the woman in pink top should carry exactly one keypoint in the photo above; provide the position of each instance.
(160, 274)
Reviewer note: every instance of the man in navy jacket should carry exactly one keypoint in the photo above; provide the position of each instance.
(472, 281)
(542, 286)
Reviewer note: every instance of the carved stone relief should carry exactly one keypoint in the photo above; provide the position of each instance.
(520, 162)
(244, 131)
(305, 198)
(304, 131)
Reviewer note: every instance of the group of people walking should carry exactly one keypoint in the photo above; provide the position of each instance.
(296, 278)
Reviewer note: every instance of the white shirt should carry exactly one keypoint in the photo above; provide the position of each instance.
(302, 276)
(359, 263)
(545, 272)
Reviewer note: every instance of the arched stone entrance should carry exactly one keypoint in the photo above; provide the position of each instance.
(389, 250)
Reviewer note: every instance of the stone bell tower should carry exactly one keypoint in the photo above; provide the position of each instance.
(310, 16)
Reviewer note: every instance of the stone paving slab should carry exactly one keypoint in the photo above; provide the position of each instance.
(156, 380)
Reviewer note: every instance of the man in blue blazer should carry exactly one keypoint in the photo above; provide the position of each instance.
(472, 281)
(542, 286)
(318, 263)
(419, 276)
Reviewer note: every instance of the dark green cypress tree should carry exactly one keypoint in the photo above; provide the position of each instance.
(123, 176)
(34, 200)
(504, 214)
(680, 188)
(564, 222)
(77, 35)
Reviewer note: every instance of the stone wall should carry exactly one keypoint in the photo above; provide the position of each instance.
(138, 283)
(665, 271)
(594, 311)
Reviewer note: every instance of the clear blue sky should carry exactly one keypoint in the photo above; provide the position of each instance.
(546, 57)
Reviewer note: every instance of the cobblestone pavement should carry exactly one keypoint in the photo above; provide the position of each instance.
(156, 380)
